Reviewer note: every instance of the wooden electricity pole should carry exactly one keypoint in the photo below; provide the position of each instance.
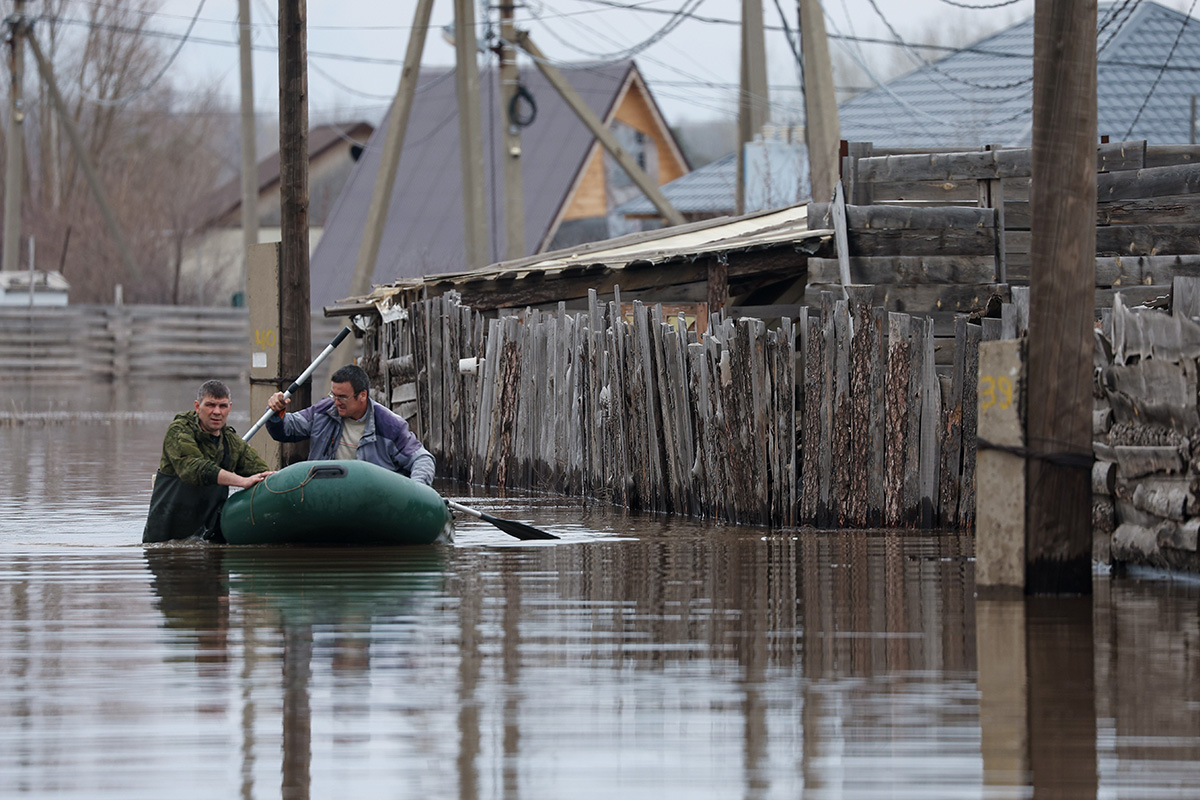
(470, 134)
(295, 338)
(752, 94)
(14, 161)
(368, 250)
(822, 133)
(510, 84)
(249, 152)
(1058, 539)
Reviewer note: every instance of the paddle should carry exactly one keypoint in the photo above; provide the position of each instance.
(296, 384)
(518, 529)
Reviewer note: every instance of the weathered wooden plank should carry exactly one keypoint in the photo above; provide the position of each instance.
(912, 456)
(931, 418)
(985, 164)
(753, 333)
(785, 388)
(1172, 155)
(859, 408)
(952, 426)
(899, 364)
(978, 269)
(485, 417)
(685, 413)
(970, 418)
(1150, 182)
(892, 217)
(842, 420)
(668, 429)
(814, 372)
(698, 384)
(937, 193)
(923, 242)
(921, 299)
(877, 418)
(825, 510)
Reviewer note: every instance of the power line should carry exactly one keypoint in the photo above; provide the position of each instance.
(1158, 77)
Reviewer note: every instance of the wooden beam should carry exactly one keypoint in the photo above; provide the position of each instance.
(643, 181)
(1059, 424)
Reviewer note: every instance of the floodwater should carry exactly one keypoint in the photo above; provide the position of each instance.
(639, 657)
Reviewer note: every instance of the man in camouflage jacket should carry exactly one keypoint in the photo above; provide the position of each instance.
(201, 458)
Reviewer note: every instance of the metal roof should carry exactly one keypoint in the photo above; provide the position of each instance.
(689, 242)
(424, 230)
(706, 190)
(983, 94)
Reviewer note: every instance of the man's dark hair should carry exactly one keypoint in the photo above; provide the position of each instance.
(353, 375)
(214, 389)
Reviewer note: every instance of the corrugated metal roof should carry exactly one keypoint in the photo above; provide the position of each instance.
(681, 243)
(984, 93)
(776, 176)
(710, 189)
(424, 230)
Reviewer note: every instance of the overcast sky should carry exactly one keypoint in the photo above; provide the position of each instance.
(356, 47)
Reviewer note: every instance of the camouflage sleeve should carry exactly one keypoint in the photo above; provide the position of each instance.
(191, 464)
(246, 460)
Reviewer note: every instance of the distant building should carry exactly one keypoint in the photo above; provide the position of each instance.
(213, 259)
(48, 288)
(1148, 64)
(572, 187)
(776, 177)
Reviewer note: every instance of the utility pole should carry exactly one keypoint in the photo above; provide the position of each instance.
(368, 251)
(752, 94)
(822, 133)
(295, 338)
(510, 83)
(1058, 555)
(249, 154)
(470, 134)
(14, 167)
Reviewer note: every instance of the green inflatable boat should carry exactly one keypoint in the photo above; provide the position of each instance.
(336, 502)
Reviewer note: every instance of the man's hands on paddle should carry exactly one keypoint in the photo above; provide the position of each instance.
(277, 402)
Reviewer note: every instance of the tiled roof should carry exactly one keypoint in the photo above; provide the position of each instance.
(983, 94)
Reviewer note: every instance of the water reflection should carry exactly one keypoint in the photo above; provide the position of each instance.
(640, 657)
(288, 595)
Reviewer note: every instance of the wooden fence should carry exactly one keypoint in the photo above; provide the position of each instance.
(131, 342)
(837, 418)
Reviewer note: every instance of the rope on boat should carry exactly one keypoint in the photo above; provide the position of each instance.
(263, 483)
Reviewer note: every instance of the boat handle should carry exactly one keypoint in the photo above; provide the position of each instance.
(327, 471)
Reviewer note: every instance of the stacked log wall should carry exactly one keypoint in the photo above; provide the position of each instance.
(1146, 477)
(945, 233)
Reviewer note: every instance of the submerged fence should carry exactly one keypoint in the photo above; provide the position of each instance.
(837, 418)
(132, 342)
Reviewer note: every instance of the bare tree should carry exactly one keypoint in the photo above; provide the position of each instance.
(149, 145)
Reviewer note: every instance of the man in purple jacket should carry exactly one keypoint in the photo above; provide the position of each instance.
(348, 425)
